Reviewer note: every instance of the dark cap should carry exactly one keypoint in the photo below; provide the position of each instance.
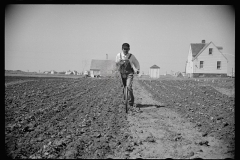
(125, 45)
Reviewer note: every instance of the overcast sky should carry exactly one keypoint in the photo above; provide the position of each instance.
(67, 37)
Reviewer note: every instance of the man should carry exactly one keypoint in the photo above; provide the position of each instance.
(127, 58)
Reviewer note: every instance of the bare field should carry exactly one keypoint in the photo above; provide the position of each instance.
(55, 117)
(211, 111)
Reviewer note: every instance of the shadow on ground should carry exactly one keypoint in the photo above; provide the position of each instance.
(148, 105)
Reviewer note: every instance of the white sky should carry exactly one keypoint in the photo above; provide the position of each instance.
(67, 37)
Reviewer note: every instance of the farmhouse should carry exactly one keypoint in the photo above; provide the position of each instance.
(102, 67)
(154, 71)
(205, 59)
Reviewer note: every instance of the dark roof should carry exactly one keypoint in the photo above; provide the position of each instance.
(179, 74)
(154, 66)
(102, 65)
(197, 47)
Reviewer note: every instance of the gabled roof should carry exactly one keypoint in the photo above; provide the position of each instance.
(204, 47)
(102, 65)
(179, 74)
(198, 48)
(154, 66)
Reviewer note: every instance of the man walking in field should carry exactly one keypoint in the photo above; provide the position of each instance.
(127, 60)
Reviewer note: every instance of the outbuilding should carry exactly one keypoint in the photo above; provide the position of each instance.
(154, 71)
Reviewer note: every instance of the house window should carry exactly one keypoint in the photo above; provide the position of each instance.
(210, 50)
(218, 64)
(201, 64)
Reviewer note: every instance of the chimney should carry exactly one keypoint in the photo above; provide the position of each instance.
(106, 56)
(203, 41)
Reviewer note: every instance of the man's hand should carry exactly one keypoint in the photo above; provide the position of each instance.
(120, 62)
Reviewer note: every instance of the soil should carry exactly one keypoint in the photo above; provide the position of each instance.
(160, 132)
(59, 118)
(47, 117)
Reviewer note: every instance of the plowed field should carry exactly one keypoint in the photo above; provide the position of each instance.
(63, 118)
(208, 105)
(85, 118)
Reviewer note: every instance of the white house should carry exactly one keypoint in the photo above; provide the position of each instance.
(205, 59)
(154, 71)
(69, 72)
(53, 72)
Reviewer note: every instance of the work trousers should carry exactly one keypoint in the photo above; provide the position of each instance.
(129, 81)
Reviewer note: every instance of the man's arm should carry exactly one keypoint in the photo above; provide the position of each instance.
(117, 58)
(117, 61)
(135, 63)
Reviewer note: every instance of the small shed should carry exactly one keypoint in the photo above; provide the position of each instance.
(154, 71)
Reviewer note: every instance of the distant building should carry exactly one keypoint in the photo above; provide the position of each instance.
(69, 72)
(183, 73)
(154, 71)
(178, 74)
(74, 72)
(46, 72)
(61, 72)
(206, 59)
(86, 73)
(102, 67)
(53, 72)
